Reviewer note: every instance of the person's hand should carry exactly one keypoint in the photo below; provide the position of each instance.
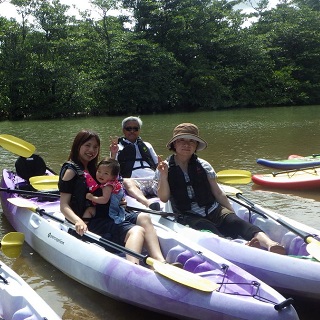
(89, 196)
(114, 145)
(162, 167)
(81, 227)
(123, 203)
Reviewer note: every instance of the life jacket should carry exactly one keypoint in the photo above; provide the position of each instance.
(127, 157)
(78, 188)
(198, 181)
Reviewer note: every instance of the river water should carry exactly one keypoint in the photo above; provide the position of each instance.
(236, 138)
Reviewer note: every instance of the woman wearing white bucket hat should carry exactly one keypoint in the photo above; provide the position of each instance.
(189, 182)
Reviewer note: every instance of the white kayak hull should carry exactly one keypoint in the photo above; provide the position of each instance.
(19, 301)
(240, 295)
(294, 273)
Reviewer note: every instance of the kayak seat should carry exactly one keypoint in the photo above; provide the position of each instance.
(30, 167)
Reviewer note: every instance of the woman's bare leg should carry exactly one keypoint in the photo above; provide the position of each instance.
(151, 238)
(134, 241)
(133, 191)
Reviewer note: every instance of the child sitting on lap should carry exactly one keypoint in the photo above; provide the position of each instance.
(106, 175)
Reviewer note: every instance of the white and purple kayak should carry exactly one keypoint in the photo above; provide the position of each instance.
(19, 301)
(296, 273)
(238, 294)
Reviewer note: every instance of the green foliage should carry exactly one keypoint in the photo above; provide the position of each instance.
(292, 37)
(166, 56)
(141, 78)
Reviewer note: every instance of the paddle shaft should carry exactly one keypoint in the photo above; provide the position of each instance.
(161, 213)
(249, 207)
(304, 235)
(30, 193)
(94, 236)
(56, 196)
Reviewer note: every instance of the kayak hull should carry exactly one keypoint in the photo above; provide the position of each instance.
(114, 276)
(18, 300)
(293, 162)
(294, 180)
(294, 274)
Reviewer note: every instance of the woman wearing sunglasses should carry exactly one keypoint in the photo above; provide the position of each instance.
(137, 159)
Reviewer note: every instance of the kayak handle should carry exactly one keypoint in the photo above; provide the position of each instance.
(283, 304)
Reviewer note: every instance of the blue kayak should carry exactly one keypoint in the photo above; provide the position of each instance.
(293, 162)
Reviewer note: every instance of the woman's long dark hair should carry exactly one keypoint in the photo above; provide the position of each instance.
(81, 138)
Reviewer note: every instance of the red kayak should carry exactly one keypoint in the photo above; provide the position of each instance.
(291, 179)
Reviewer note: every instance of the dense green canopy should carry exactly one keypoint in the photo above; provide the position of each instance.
(162, 56)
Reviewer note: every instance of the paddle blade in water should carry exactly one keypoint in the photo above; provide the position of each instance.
(11, 244)
(16, 145)
(234, 176)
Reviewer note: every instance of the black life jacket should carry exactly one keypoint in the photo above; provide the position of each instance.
(127, 157)
(78, 188)
(198, 180)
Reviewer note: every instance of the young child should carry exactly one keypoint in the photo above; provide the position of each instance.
(106, 175)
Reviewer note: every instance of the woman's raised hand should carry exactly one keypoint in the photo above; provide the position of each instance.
(162, 167)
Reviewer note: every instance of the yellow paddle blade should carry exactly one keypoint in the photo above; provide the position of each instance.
(184, 277)
(313, 247)
(16, 145)
(11, 244)
(229, 190)
(44, 182)
(23, 203)
(234, 176)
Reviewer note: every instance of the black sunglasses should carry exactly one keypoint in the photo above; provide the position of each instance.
(132, 129)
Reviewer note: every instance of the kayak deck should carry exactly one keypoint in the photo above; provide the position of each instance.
(295, 179)
(18, 300)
